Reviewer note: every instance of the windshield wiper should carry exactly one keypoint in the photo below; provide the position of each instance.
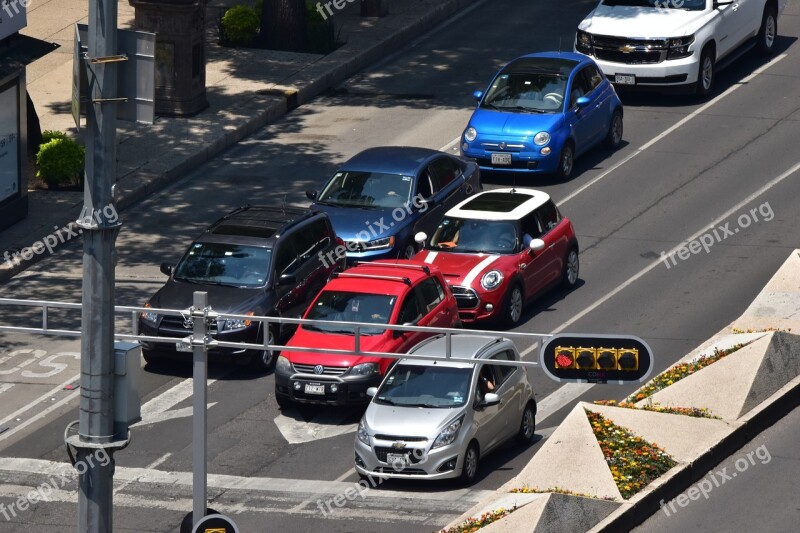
(426, 405)
(525, 109)
(490, 106)
(387, 400)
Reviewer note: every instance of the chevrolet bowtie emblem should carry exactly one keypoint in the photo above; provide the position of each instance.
(399, 445)
(627, 49)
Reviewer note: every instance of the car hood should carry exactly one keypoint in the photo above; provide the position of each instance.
(319, 340)
(408, 421)
(489, 122)
(460, 269)
(643, 22)
(179, 295)
(348, 222)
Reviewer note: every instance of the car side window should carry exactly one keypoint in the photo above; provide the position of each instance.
(432, 293)
(530, 228)
(548, 216)
(426, 187)
(502, 372)
(311, 239)
(286, 257)
(593, 76)
(411, 310)
(580, 87)
(445, 171)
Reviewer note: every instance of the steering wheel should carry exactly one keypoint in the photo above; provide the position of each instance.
(252, 276)
(505, 243)
(555, 98)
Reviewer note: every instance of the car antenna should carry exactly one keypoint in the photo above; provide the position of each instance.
(559, 44)
(283, 207)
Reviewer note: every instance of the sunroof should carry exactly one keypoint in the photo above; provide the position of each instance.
(499, 202)
(244, 231)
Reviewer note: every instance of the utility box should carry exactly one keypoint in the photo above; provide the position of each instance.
(127, 400)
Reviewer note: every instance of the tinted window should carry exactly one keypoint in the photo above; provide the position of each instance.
(311, 239)
(432, 293)
(411, 311)
(579, 88)
(593, 76)
(531, 227)
(351, 307)
(224, 264)
(426, 187)
(549, 216)
(445, 171)
(286, 259)
(501, 371)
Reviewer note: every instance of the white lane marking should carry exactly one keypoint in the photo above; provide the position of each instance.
(296, 430)
(38, 401)
(302, 504)
(5, 386)
(452, 144)
(431, 257)
(477, 269)
(154, 464)
(571, 391)
(672, 128)
(158, 409)
(39, 415)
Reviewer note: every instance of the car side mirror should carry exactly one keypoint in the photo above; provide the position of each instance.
(312, 195)
(398, 333)
(478, 95)
(490, 399)
(166, 268)
(372, 391)
(582, 102)
(287, 279)
(420, 238)
(536, 245)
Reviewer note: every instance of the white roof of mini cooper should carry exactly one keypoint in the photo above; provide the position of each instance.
(515, 208)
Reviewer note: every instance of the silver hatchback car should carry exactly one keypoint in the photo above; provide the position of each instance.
(435, 419)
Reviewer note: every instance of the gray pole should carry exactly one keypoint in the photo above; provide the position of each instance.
(100, 224)
(199, 375)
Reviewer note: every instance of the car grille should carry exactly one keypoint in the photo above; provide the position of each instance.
(629, 51)
(175, 324)
(326, 370)
(502, 147)
(465, 297)
(403, 471)
(403, 439)
(382, 451)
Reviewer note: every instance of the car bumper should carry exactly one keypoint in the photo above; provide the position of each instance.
(349, 390)
(441, 463)
(475, 306)
(667, 73)
(527, 162)
(169, 349)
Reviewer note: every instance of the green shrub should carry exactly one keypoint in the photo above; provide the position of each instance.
(313, 14)
(240, 25)
(60, 161)
(49, 135)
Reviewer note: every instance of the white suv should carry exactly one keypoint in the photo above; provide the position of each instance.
(675, 43)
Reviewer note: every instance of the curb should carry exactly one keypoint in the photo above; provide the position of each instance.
(147, 184)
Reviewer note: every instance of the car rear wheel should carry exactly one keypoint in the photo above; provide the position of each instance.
(150, 357)
(571, 269)
(768, 31)
(706, 73)
(264, 360)
(527, 426)
(513, 306)
(566, 162)
(470, 469)
(614, 137)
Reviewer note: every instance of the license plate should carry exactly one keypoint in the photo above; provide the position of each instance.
(315, 389)
(625, 79)
(397, 460)
(183, 346)
(501, 159)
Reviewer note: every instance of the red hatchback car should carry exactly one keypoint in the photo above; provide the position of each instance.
(401, 292)
(500, 249)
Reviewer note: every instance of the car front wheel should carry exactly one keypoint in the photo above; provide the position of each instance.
(768, 31)
(566, 162)
(470, 469)
(527, 426)
(571, 269)
(705, 75)
(614, 136)
(264, 360)
(513, 306)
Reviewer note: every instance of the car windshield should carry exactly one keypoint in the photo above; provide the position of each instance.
(541, 92)
(351, 307)
(224, 264)
(688, 5)
(425, 386)
(475, 236)
(367, 190)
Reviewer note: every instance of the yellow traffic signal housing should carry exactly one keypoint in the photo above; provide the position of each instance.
(628, 360)
(586, 358)
(607, 359)
(565, 357)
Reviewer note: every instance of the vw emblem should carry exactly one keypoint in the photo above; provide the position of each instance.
(502, 145)
(187, 323)
(319, 369)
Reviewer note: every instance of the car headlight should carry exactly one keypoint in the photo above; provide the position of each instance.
(491, 280)
(236, 323)
(470, 134)
(449, 433)
(541, 138)
(365, 369)
(679, 47)
(362, 434)
(583, 42)
(378, 244)
(283, 365)
(149, 316)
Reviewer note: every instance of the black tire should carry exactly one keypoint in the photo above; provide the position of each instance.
(615, 130)
(527, 425)
(768, 31)
(469, 470)
(513, 306)
(572, 267)
(283, 401)
(706, 72)
(150, 357)
(264, 360)
(566, 162)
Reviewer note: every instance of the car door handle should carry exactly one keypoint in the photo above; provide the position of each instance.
(522, 266)
(551, 246)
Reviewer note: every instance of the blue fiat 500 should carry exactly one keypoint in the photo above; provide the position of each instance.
(540, 112)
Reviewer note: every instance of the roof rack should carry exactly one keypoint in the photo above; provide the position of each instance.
(369, 276)
(423, 268)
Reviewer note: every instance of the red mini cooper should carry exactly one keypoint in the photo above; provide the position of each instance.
(401, 292)
(501, 249)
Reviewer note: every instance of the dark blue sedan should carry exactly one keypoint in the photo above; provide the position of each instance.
(540, 112)
(380, 198)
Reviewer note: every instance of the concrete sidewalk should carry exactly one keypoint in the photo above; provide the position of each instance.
(246, 89)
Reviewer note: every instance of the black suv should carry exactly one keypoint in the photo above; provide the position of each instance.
(262, 261)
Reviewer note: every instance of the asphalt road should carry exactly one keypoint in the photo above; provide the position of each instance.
(686, 167)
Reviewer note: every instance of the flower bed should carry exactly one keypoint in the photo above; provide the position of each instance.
(559, 490)
(633, 462)
(678, 372)
(474, 524)
(696, 412)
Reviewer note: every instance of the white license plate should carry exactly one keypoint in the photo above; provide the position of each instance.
(315, 389)
(625, 79)
(183, 346)
(501, 159)
(397, 460)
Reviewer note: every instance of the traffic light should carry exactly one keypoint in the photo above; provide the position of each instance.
(596, 358)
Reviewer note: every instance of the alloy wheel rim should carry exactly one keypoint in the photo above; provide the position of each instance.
(572, 267)
(617, 131)
(566, 163)
(527, 424)
(268, 355)
(516, 305)
(769, 34)
(708, 73)
(471, 462)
